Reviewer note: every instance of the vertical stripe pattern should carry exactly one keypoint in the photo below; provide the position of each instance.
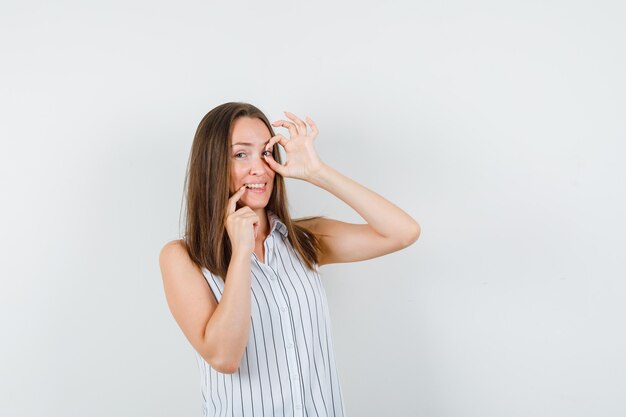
(288, 367)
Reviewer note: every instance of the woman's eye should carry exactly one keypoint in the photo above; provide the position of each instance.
(243, 153)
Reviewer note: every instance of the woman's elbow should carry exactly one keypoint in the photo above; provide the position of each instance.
(228, 369)
(413, 235)
(222, 366)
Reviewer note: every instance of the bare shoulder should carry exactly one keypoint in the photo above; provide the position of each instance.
(321, 225)
(175, 261)
(183, 281)
(174, 251)
(306, 222)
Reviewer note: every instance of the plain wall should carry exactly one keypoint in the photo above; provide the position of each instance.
(499, 126)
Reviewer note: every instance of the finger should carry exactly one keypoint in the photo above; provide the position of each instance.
(275, 166)
(293, 129)
(274, 139)
(301, 125)
(270, 143)
(248, 214)
(311, 123)
(232, 201)
(245, 212)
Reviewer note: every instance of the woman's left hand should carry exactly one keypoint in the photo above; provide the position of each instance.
(302, 159)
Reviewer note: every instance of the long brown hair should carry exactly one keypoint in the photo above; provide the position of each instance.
(207, 193)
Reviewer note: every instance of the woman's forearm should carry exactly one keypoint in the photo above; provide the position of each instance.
(228, 330)
(382, 215)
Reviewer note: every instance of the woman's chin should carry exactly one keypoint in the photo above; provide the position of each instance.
(254, 203)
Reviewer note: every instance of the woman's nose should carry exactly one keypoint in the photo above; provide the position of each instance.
(258, 166)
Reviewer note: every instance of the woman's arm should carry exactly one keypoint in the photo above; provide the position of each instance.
(219, 332)
(388, 227)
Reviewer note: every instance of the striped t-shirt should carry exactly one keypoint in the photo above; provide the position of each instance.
(288, 366)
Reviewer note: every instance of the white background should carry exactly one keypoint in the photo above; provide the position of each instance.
(498, 125)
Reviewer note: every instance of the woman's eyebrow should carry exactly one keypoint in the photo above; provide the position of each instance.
(248, 143)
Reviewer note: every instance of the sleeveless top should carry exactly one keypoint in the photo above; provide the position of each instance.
(288, 366)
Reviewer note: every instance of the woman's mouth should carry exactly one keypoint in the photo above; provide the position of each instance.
(257, 188)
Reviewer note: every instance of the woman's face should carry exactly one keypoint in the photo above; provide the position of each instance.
(250, 135)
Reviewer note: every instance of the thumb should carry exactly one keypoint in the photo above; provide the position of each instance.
(274, 165)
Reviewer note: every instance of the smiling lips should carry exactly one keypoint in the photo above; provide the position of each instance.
(258, 185)
(257, 188)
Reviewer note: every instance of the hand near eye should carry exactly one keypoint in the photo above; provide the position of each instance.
(302, 159)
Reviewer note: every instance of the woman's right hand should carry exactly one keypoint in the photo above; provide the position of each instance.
(242, 225)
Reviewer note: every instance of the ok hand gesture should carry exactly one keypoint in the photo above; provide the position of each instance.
(302, 159)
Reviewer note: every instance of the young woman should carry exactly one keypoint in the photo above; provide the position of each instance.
(243, 284)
